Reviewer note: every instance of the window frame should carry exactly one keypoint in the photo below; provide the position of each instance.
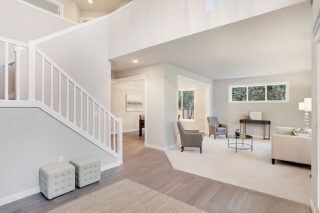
(287, 100)
(194, 102)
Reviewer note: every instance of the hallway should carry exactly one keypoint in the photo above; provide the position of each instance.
(151, 168)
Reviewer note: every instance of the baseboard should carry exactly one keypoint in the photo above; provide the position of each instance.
(110, 166)
(19, 195)
(313, 208)
(160, 148)
(130, 130)
(36, 190)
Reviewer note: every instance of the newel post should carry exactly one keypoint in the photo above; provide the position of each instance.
(120, 142)
(32, 72)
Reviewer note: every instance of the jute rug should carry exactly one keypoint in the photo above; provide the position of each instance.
(125, 196)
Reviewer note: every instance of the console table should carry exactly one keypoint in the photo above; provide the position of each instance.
(258, 122)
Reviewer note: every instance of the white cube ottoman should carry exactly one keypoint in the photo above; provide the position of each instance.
(56, 179)
(88, 170)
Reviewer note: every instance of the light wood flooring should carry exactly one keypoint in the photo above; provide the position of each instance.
(152, 168)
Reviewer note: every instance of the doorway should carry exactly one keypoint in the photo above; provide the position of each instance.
(128, 100)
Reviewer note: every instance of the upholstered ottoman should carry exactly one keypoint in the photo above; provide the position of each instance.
(56, 179)
(88, 170)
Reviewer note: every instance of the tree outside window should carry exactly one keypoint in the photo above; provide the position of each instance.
(186, 104)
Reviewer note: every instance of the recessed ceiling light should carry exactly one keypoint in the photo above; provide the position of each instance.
(90, 1)
(135, 61)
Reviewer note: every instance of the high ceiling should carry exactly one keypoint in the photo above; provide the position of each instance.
(101, 5)
(273, 43)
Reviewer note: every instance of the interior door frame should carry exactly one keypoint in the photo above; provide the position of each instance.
(136, 78)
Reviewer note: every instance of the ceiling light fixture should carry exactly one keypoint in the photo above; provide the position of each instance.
(90, 1)
(135, 61)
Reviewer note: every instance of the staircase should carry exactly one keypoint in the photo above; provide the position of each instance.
(29, 79)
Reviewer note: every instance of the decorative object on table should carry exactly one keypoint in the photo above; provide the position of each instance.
(265, 123)
(134, 103)
(286, 147)
(306, 106)
(87, 170)
(56, 179)
(216, 128)
(246, 116)
(240, 145)
(242, 136)
(237, 132)
(189, 138)
(255, 116)
(141, 123)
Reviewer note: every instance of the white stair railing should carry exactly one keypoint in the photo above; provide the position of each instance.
(57, 93)
(10, 48)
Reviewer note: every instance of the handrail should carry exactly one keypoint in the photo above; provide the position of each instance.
(10, 64)
(74, 82)
(12, 41)
(97, 124)
(99, 132)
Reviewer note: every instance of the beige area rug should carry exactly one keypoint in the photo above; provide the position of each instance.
(125, 196)
(252, 170)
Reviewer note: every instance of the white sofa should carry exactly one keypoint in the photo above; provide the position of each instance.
(290, 148)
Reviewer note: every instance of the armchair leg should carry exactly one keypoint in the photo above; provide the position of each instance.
(273, 161)
(200, 149)
(182, 149)
(215, 136)
(226, 135)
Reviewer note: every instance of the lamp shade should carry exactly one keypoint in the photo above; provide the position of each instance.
(308, 104)
(301, 106)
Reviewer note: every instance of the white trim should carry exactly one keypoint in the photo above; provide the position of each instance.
(193, 81)
(47, 12)
(130, 130)
(20, 195)
(313, 208)
(160, 148)
(194, 103)
(110, 166)
(60, 118)
(35, 190)
(78, 26)
(266, 91)
(129, 78)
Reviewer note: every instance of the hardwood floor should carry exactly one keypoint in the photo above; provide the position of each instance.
(152, 168)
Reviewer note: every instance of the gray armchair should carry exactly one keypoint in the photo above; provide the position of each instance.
(189, 138)
(216, 128)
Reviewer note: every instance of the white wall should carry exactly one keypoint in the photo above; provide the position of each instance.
(71, 10)
(23, 22)
(91, 14)
(83, 54)
(161, 101)
(280, 114)
(119, 91)
(40, 140)
(146, 23)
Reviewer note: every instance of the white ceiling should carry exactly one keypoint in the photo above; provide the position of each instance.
(101, 5)
(273, 43)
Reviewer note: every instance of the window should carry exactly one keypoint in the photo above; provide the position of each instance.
(270, 92)
(52, 6)
(186, 104)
